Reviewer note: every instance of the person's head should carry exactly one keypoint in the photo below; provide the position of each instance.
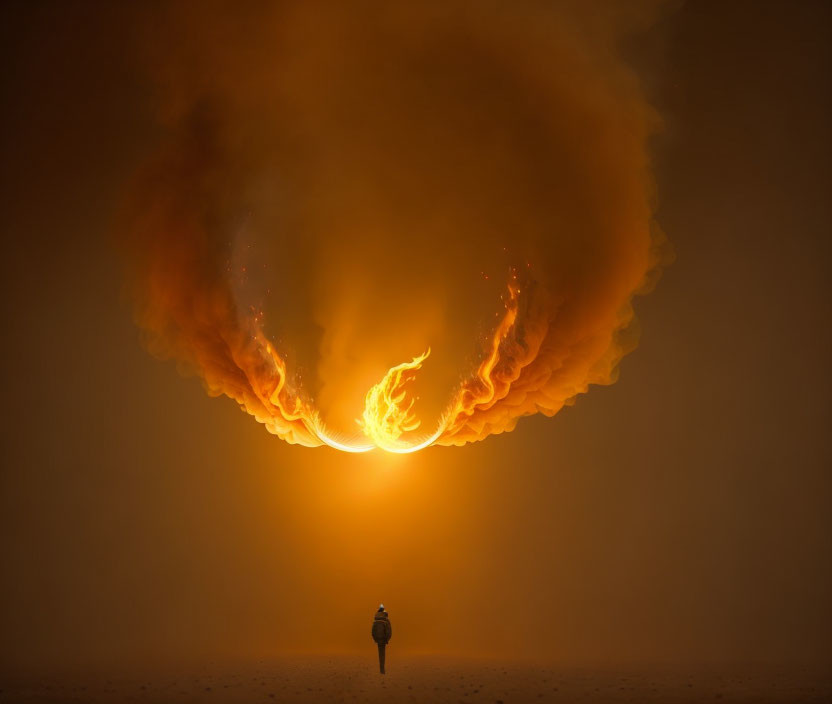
(381, 607)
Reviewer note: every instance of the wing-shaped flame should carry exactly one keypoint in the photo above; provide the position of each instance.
(564, 176)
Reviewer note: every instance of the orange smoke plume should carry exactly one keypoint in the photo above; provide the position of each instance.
(184, 301)
(331, 173)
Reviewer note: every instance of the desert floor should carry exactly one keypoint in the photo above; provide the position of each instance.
(424, 679)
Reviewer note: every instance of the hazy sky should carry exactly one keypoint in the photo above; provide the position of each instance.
(680, 514)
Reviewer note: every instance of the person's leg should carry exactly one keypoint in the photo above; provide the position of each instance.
(381, 647)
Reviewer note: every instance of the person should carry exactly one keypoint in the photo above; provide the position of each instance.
(382, 632)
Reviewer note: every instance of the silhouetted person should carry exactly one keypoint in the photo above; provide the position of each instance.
(382, 633)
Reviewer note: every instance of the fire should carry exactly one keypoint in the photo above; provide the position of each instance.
(287, 415)
(388, 409)
(481, 391)
(370, 161)
(519, 374)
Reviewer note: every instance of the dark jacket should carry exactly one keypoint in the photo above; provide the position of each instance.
(382, 635)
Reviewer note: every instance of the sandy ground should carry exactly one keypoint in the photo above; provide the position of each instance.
(424, 679)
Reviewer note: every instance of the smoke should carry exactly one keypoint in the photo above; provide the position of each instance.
(343, 186)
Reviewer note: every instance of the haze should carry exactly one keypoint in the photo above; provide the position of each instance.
(681, 514)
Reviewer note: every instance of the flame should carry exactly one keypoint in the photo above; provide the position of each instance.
(388, 409)
(236, 359)
(263, 389)
(284, 412)
(481, 390)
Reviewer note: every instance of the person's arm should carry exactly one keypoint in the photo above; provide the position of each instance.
(389, 630)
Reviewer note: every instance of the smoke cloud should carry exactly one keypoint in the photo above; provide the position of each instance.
(342, 187)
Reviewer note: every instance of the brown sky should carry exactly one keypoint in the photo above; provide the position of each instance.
(681, 514)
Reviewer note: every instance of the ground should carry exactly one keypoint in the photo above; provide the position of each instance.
(425, 679)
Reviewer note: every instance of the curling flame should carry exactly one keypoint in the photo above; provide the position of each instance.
(388, 410)
(481, 391)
